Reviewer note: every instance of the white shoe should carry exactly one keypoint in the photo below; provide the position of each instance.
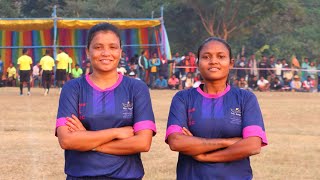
(46, 92)
(29, 93)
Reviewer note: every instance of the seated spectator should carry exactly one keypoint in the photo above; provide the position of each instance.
(121, 69)
(189, 81)
(133, 75)
(263, 84)
(243, 84)
(276, 84)
(76, 72)
(11, 75)
(286, 84)
(235, 82)
(308, 85)
(198, 80)
(161, 83)
(253, 83)
(296, 85)
(173, 82)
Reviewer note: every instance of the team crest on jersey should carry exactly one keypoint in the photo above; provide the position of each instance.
(235, 116)
(127, 110)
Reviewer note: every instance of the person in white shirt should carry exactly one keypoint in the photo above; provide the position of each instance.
(36, 78)
(278, 67)
(263, 84)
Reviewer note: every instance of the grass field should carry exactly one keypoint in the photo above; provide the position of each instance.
(29, 149)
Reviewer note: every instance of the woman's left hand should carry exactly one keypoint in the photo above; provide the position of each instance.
(74, 124)
(199, 157)
(186, 132)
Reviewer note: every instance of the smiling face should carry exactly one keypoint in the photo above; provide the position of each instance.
(214, 61)
(104, 51)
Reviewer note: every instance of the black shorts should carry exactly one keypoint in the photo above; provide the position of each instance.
(61, 74)
(24, 75)
(46, 75)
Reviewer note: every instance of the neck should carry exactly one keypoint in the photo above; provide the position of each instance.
(214, 87)
(104, 80)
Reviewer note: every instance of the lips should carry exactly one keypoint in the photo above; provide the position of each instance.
(214, 69)
(106, 61)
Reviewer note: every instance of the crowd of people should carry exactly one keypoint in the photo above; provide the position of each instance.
(265, 74)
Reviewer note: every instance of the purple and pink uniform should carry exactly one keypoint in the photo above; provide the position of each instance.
(232, 113)
(127, 103)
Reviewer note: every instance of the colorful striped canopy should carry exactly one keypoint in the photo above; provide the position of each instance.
(38, 35)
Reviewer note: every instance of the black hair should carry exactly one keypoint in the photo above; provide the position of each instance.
(142, 52)
(47, 51)
(61, 49)
(214, 39)
(24, 51)
(102, 27)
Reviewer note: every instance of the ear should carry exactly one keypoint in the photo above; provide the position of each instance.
(87, 53)
(231, 63)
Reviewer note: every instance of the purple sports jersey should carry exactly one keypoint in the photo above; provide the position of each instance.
(232, 113)
(127, 103)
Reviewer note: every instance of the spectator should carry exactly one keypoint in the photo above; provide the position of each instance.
(263, 64)
(143, 66)
(88, 68)
(173, 82)
(253, 83)
(296, 85)
(154, 64)
(164, 67)
(309, 84)
(36, 78)
(286, 85)
(76, 72)
(275, 84)
(133, 75)
(177, 60)
(189, 81)
(161, 83)
(241, 64)
(243, 84)
(304, 67)
(278, 72)
(263, 84)
(312, 70)
(121, 69)
(11, 75)
(271, 65)
(252, 64)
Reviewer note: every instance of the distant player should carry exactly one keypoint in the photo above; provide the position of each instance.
(62, 62)
(24, 67)
(215, 127)
(47, 64)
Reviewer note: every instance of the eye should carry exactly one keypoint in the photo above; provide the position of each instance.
(221, 56)
(97, 47)
(205, 57)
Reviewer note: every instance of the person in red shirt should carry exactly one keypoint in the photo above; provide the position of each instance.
(173, 82)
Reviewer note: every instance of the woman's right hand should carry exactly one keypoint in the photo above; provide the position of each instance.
(125, 132)
(234, 140)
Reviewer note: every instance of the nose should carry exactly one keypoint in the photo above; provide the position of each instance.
(105, 52)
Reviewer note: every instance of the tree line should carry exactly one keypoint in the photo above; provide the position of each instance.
(263, 27)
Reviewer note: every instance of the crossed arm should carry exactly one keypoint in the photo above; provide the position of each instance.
(116, 141)
(214, 150)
